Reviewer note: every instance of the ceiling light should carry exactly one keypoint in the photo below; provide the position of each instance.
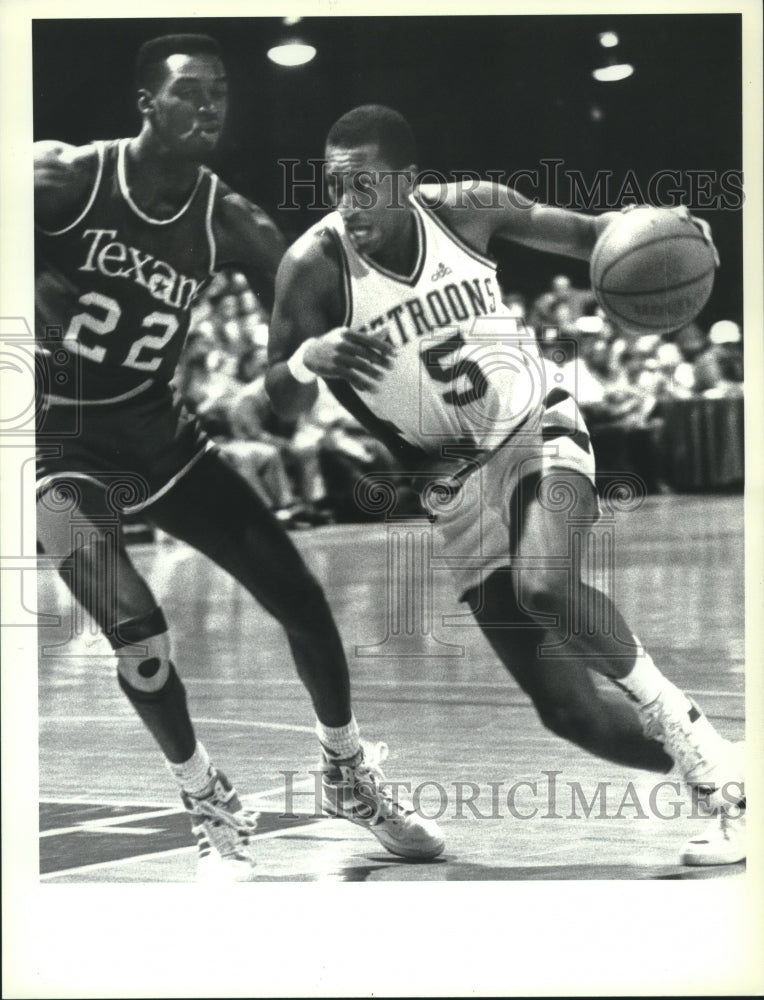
(608, 39)
(608, 74)
(291, 52)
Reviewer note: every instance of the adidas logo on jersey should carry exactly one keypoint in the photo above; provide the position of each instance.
(441, 271)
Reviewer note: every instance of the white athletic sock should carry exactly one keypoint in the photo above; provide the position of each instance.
(670, 716)
(340, 742)
(193, 775)
(645, 683)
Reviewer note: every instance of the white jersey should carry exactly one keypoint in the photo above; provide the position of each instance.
(465, 373)
(468, 401)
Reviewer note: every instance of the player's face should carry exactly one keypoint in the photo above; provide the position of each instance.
(188, 108)
(369, 193)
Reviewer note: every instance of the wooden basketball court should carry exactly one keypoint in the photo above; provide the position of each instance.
(511, 798)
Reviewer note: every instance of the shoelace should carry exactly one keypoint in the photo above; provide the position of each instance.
(721, 822)
(244, 821)
(228, 833)
(222, 841)
(374, 755)
(685, 750)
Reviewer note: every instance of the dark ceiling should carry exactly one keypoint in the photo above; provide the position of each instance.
(483, 93)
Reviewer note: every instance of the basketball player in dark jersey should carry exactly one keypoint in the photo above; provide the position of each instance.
(393, 300)
(128, 234)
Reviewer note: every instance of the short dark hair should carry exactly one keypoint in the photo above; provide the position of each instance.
(375, 123)
(149, 71)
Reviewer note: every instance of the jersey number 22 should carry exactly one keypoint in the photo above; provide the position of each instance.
(139, 356)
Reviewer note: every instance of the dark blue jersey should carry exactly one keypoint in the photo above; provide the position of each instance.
(114, 288)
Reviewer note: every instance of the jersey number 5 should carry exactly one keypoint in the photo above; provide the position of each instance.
(443, 368)
(107, 323)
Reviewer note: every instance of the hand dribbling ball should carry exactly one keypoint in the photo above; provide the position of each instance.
(652, 270)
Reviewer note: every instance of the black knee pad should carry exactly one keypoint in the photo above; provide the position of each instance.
(142, 648)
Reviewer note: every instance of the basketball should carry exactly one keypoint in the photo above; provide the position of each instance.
(652, 271)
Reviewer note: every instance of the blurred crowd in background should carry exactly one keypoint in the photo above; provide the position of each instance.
(306, 469)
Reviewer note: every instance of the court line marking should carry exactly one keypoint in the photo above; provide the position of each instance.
(300, 786)
(359, 685)
(121, 862)
(128, 720)
(88, 800)
(111, 719)
(95, 866)
(92, 825)
(130, 831)
(279, 726)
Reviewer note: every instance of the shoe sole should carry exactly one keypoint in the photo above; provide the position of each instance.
(420, 854)
(412, 853)
(699, 861)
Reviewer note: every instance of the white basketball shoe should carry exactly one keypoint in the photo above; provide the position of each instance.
(222, 828)
(714, 770)
(723, 842)
(712, 766)
(357, 790)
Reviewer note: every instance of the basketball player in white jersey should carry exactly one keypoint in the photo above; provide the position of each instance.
(393, 300)
(129, 232)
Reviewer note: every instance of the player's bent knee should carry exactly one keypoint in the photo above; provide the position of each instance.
(142, 648)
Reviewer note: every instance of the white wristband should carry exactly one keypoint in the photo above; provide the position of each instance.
(297, 366)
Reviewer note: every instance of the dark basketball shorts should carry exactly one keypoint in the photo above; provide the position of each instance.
(136, 449)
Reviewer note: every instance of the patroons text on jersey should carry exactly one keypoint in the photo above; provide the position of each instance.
(451, 304)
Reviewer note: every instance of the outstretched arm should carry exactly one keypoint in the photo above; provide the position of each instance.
(555, 230)
(572, 234)
(496, 210)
